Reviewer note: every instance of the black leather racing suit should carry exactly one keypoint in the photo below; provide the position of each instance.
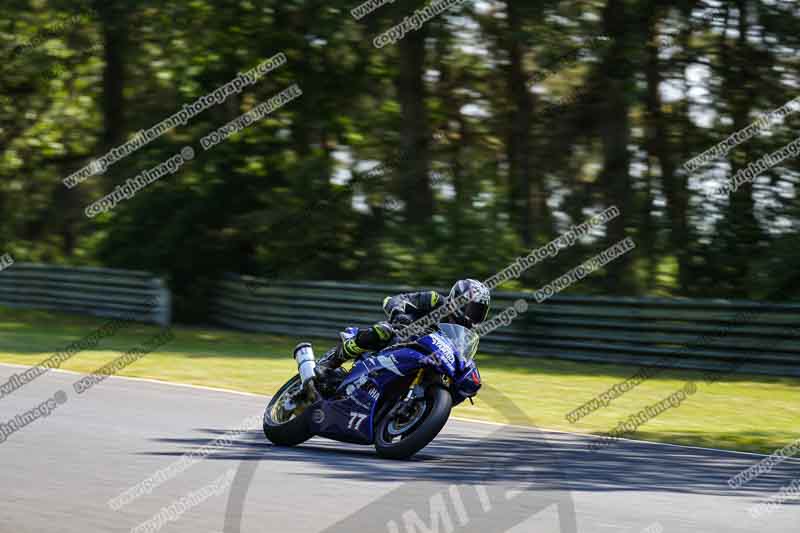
(400, 310)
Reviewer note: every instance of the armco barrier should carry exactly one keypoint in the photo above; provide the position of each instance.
(95, 291)
(752, 337)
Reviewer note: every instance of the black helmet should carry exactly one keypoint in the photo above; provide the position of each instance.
(477, 308)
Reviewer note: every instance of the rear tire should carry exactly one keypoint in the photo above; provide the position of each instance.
(286, 432)
(437, 410)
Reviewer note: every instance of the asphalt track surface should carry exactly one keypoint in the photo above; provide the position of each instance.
(59, 472)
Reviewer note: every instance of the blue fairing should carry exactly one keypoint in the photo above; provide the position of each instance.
(350, 415)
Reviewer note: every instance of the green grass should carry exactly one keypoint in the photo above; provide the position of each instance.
(750, 413)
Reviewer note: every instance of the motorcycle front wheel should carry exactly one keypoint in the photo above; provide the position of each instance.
(283, 425)
(401, 436)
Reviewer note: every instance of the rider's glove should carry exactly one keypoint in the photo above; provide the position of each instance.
(401, 319)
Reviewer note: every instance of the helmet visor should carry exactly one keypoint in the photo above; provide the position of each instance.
(475, 312)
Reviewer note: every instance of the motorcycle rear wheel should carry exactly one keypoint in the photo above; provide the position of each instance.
(400, 438)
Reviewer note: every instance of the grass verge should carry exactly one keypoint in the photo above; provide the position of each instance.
(740, 412)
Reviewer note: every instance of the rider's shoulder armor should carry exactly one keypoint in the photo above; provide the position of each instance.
(415, 304)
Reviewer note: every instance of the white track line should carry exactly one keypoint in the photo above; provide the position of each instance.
(460, 419)
(150, 380)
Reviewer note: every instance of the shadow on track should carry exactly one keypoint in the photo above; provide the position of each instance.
(557, 463)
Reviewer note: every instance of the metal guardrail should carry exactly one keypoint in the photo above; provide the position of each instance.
(95, 291)
(752, 337)
(679, 333)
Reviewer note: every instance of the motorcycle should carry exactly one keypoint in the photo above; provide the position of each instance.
(397, 399)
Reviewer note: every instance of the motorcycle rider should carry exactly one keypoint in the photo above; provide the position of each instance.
(402, 310)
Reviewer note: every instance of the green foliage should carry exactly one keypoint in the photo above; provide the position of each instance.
(291, 195)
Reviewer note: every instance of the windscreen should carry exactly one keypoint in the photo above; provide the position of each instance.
(465, 341)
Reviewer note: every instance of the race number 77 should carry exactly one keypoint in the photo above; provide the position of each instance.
(356, 419)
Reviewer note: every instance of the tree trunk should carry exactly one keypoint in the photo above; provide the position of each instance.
(615, 134)
(659, 145)
(519, 132)
(415, 186)
(114, 18)
(742, 237)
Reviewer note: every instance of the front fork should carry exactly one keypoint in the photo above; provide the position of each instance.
(414, 391)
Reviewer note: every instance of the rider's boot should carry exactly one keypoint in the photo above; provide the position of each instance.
(329, 365)
(352, 347)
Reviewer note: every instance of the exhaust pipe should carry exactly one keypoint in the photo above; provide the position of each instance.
(306, 363)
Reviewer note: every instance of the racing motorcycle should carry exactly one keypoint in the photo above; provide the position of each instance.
(397, 399)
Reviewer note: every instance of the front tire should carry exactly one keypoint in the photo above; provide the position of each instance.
(394, 441)
(282, 428)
